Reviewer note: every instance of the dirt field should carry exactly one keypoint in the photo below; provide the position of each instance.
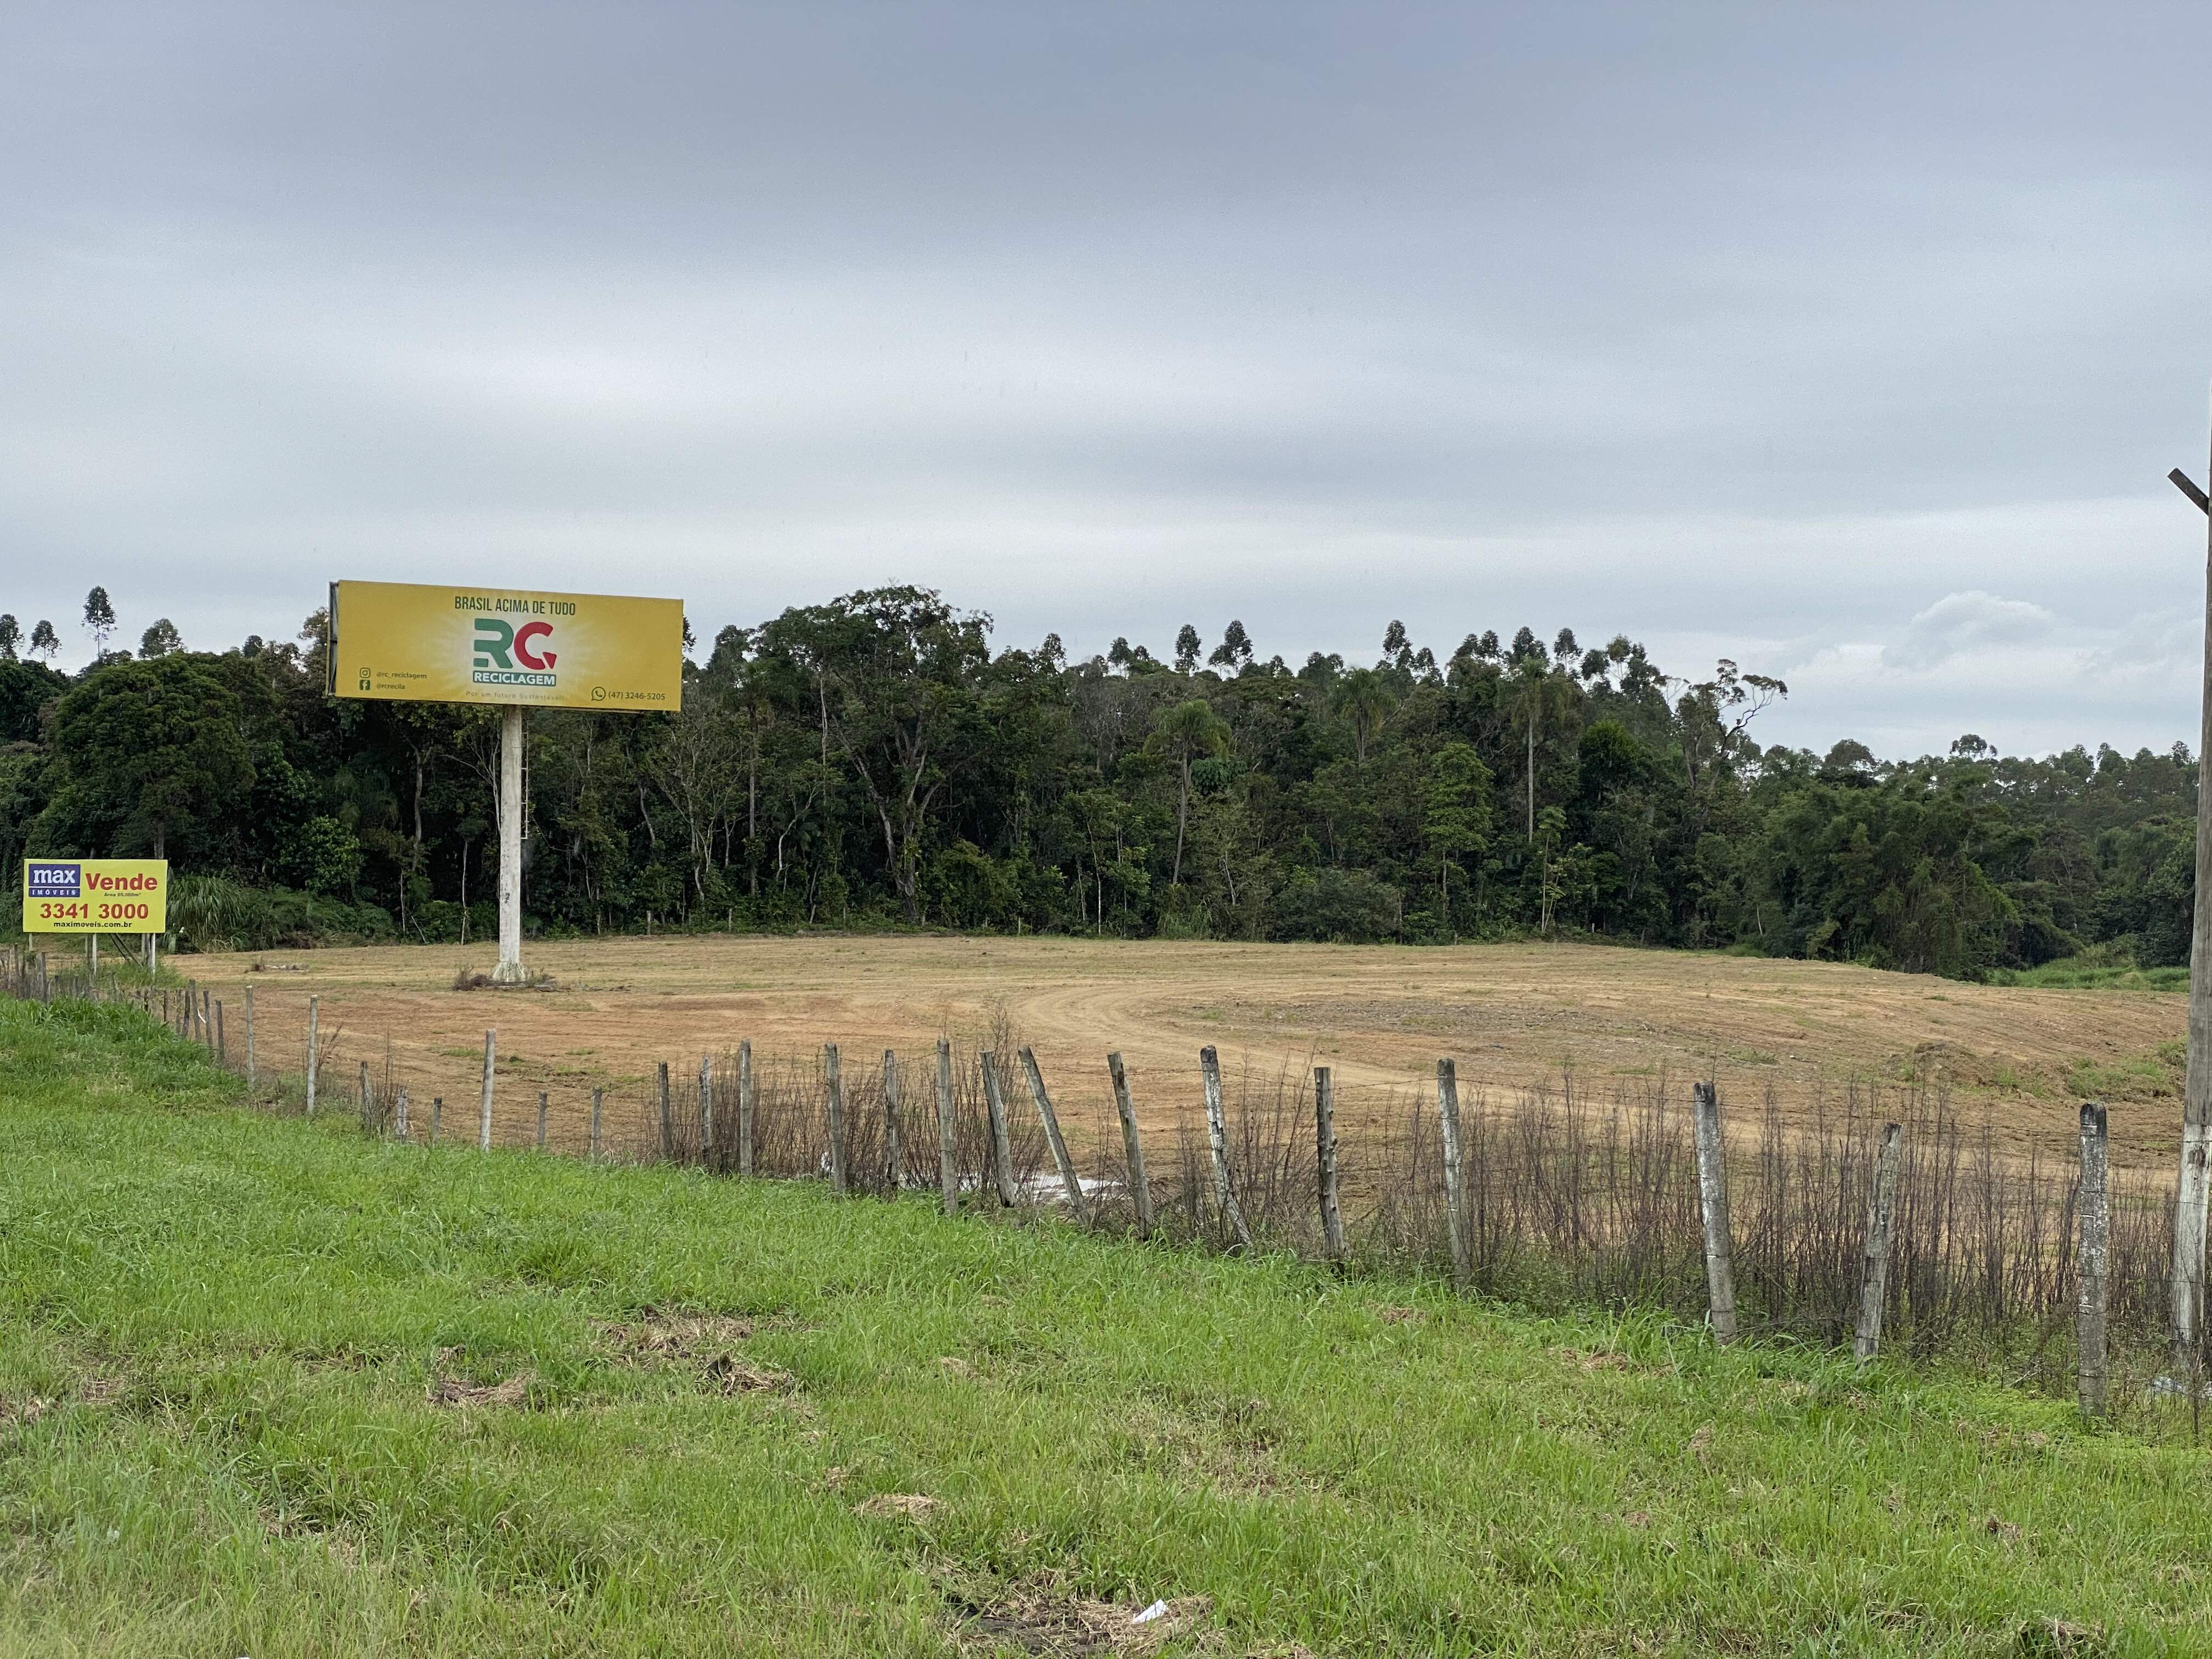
(1509, 1015)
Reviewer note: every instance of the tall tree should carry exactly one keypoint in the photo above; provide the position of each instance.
(1183, 733)
(1538, 694)
(160, 639)
(1363, 699)
(11, 636)
(894, 671)
(98, 620)
(44, 642)
(1455, 815)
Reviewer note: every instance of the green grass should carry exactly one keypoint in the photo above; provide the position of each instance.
(2072, 974)
(220, 1332)
(2159, 1074)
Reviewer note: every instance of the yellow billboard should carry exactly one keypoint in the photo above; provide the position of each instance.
(414, 642)
(95, 895)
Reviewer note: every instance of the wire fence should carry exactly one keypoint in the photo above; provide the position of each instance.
(1568, 1196)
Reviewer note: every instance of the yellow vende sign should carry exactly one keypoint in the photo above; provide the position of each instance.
(410, 642)
(95, 895)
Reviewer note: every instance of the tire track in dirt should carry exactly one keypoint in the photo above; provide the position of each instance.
(1510, 1015)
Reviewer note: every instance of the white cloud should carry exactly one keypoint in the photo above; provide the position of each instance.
(1959, 622)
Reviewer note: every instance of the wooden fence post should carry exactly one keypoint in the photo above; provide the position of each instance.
(598, 1106)
(249, 1079)
(1217, 1135)
(541, 1119)
(400, 1113)
(314, 1060)
(484, 1107)
(836, 1081)
(706, 1110)
(1332, 1212)
(437, 1116)
(667, 1123)
(1133, 1146)
(948, 1166)
(1002, 1152)
(1874, 1271)
(893, 1159)
(2093, 1261)
(1712, 1201)
(746, 1106)
(367, 1100)
(1061, 1162)
(207, 1025)
(222, 1052)
(1454, 1175)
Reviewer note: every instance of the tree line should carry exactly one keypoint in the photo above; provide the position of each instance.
(875, 760)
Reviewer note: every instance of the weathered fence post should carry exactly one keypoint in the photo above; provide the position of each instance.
(746, 1106)
(667, 1122)
(1132, 1146)
(314, 1060)
(598, 1106)
(1002, 1152)
(1874, 1274)
(948, 1166)
(1065, 1164)
(250, 1078)
(1712, 1201)
(1217, 1135)
(222, 1054)
(836, 1082)
(894, 1161)
(400, 1113)
(707, 1111)
(541, 1119)
(437, 1116)
(1454, 1175)
(2093, 1261)
(1332, 1212)
(484, 1107)
(207, 1025)
(367, 1100)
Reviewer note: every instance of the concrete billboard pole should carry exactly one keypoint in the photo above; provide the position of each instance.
(510, 970)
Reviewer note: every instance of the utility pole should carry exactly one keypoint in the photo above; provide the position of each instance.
(2189, 1210)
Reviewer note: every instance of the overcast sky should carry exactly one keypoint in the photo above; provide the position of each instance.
(1852, 341)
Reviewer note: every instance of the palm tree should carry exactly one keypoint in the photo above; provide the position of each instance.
(1538, 692)
(1187, 732)
(1364, 698)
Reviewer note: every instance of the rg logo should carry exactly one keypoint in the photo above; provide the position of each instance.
(497, 639)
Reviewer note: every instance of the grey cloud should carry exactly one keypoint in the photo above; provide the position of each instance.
(1692, 323)
(1959, 622)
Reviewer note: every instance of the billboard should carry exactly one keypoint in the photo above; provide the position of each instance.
(95, 895)
(412, 642)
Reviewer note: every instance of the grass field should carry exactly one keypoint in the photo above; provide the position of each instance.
(270, 1389)
(1379, 1015)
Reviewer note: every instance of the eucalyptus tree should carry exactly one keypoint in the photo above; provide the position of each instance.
(1183, 733)
(1363, 699)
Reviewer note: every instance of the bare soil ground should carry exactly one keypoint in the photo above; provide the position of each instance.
(1381, 1016)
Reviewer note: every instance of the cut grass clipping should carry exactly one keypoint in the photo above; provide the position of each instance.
(269, 1388)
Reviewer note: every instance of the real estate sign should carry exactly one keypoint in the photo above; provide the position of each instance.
(414, 643)
(95, 895)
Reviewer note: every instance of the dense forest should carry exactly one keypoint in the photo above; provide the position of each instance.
(874, 761)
